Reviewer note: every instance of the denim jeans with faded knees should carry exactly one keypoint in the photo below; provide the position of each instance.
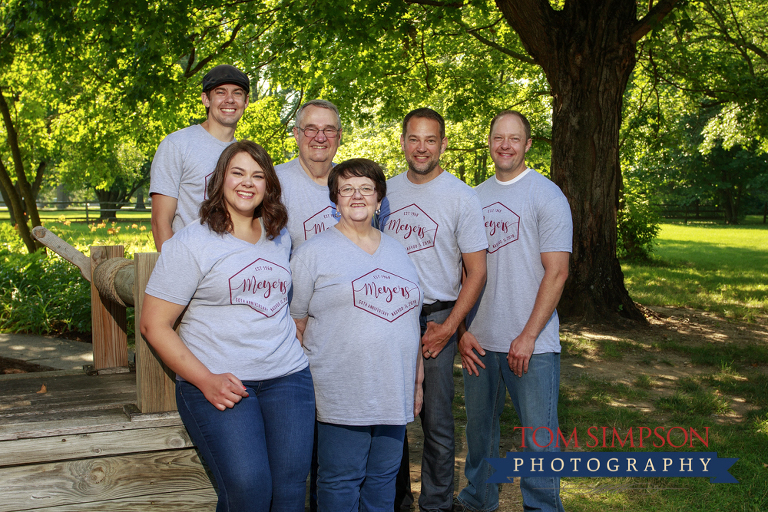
(259, 451)
(357, 466)
(534, 396)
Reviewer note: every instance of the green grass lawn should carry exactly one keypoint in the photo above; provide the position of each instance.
(712, 267)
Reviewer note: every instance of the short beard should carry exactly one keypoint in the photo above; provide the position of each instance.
(429, 169)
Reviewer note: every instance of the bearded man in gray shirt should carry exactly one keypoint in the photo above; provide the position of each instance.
(438, 219)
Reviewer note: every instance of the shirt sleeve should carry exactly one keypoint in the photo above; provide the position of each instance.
(303, 286)
(471, 233)
(555, 224)
(176, 275)
(165, 174)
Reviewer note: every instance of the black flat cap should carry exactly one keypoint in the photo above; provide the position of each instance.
(226, 74)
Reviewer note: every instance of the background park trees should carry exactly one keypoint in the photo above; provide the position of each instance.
(628, 101)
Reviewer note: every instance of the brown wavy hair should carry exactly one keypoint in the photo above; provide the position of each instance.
(214, 211)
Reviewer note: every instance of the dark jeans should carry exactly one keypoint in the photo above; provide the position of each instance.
(259, 451)
(438, 456)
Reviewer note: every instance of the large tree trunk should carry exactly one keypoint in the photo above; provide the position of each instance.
(587, 51)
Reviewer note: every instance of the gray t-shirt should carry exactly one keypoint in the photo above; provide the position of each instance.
(524, 217)
(238, 319)
(362, 336)
(181, 167)
(310, 210)
(436, 222)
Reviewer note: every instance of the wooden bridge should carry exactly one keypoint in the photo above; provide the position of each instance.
(109, 439)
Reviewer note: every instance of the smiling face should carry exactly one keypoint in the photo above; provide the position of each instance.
(508, 143)
(244, 185)
(226, 104)
(422, 145)
(357, 207)
(317, 149)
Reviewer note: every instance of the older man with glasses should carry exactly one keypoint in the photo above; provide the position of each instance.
(304, 180)
(304, 184)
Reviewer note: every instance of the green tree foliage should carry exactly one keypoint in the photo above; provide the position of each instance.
(696, 122)
(86, 97)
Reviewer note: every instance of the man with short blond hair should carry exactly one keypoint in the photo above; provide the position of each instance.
(185, 158)
(512, 339)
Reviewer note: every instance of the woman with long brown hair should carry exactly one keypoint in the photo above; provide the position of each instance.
(243, 387)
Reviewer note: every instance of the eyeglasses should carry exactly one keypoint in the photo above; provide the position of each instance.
(365, 190)
(312, 132)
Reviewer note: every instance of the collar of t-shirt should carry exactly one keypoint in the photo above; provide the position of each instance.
(513, 180)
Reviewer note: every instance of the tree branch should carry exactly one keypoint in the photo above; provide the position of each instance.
(436, 3)
(17, 208)
(496, 46)
(206, 60)
(424, 60)
(18, 163)
(37, 183)
(655, 16)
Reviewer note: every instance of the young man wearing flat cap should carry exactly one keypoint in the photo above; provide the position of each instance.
(185, 158)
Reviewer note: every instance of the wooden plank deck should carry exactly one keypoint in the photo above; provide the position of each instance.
(71, 442)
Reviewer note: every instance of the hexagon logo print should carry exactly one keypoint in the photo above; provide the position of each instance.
(385, 295)
(262, 285)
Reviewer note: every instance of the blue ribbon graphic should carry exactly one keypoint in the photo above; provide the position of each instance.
(612, 464)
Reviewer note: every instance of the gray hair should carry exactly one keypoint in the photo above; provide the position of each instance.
(321, 104)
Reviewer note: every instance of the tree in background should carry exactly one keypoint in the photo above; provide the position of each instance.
(566, 62)
(696, 125)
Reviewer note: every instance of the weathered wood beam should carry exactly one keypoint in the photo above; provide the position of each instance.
(63, 249)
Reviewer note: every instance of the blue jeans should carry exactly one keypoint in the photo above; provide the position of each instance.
(357, 466)
(534, 396)
(259, 451)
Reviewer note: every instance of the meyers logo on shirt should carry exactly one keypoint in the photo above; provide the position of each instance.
(412, 227)
(320, 221)
(502, 226)
(385, 294)
(262, 285)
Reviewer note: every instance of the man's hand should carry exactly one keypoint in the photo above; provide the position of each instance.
(223, 390)
(469, 347)
(435, 338)
(520, 352)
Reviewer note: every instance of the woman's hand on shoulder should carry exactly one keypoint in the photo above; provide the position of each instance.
(223, 390)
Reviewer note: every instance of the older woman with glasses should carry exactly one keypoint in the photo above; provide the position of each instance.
(356, 300)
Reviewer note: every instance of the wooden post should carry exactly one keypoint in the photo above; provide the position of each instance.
(155, 382)
(110, 337)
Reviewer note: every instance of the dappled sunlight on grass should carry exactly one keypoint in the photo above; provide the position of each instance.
(713, 268)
